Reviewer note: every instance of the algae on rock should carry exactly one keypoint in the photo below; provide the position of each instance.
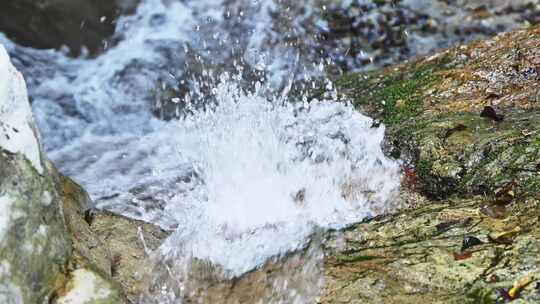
(432, 109)
(481, 175)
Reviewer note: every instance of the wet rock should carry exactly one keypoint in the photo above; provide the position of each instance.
(471, 242)
(34, 244)
(405, 258)
(45, 247)
(295, 277)
(55, 23)
(89, 251)
(86, 287)
(422, 102)
(130, 243)
(147, 277)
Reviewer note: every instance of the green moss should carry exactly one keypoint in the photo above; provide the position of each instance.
(531, 185)
(423, 169)
(480, 296)
(394, 95)
(399, 96)
(536, 143)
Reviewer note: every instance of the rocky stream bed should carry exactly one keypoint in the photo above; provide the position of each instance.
(466, 123)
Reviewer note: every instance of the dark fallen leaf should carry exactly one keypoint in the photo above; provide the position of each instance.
(489, 112)
(459, 127)
(442, 227)
(300, 196)
(538, 167)
(445, 226)
(89, 215)
(375, 124)
(470, 241)
(506, 194)
(462, 255)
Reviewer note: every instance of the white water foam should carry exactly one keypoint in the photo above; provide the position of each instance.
(273, 172)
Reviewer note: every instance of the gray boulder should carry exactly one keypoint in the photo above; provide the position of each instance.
(41, 258)
(54, 23)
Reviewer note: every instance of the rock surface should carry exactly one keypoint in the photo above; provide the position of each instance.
(34, 246)
(467, 120)
(54, 23)
(42, 257)
(130, 243)
(420, 256)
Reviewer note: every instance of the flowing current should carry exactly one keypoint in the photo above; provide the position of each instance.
(248, 168)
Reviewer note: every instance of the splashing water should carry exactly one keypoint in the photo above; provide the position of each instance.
(270, 172)
(247, 177)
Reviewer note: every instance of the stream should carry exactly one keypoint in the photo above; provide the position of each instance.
(199, 118)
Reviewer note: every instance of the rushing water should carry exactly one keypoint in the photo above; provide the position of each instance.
(250, 170)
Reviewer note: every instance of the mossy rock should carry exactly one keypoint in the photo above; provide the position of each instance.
(432, 110)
